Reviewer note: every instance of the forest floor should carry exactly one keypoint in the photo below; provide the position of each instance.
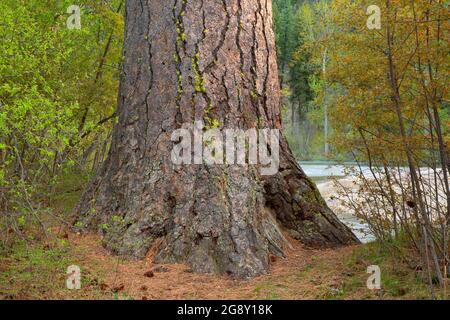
(37, 269)
(39, 272)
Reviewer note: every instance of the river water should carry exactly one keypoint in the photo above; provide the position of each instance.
(322, 172)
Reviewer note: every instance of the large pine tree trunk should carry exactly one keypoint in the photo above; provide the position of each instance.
(187, 60)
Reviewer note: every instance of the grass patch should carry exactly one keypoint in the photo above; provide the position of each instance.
(399, 280)
(268, 291)
(36, 271)
(32, 271)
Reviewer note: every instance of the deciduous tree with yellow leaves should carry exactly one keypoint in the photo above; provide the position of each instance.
(393, 114)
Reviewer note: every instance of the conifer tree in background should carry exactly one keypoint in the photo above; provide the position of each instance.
(296, 68)
(285, 26)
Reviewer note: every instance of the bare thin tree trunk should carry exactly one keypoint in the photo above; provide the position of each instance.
(325, 107)
(417, 191)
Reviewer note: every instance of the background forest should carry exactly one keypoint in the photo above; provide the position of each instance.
(377, 97)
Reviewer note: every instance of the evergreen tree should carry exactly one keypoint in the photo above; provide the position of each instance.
(285, 33)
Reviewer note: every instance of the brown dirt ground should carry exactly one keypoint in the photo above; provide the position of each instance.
(288, 278)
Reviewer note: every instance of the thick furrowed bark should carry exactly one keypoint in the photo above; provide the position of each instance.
(213, 61)
(300, 208)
